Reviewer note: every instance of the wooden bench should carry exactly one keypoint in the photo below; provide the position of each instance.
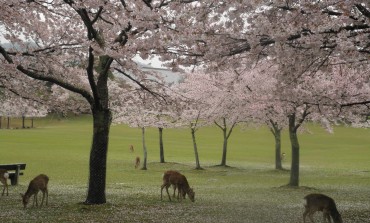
(14, 171)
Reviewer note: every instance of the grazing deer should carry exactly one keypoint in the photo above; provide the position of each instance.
(4, 175)
(321, 202)
(137, 162)
(166, 182)
(132, 148)
(38, 183)
(180, 182)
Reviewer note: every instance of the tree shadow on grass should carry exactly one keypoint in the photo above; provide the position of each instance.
(303, 188)
(175, 165)
(282, 169)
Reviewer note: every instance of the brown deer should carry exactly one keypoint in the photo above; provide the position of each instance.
(132, 148)
(4, 175)
(137, 162)
(38, 183)
(180, 182)
(321, 202)
(166, 182)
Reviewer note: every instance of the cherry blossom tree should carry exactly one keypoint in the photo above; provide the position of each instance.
(256, 29)
(21, 100)
(306, 40)
(191, 109)
(264, 106)
(137, 114)
(141, 108)
(215, 97)
(15, 106)
(165, 118)
(77, 45)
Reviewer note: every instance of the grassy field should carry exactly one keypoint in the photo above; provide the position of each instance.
(250, 190)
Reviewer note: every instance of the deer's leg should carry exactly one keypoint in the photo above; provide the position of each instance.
(169, 197)
(305, 215)
(35, 200)
(310, 216)
(174, 190)
(326, 216)
(163, 185)
(42, 200)
(43, 197)
(5, 187)
(180, 194)
(47, 196)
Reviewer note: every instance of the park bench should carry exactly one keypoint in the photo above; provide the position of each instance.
(14, 171)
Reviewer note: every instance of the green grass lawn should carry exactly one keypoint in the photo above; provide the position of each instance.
(250, 190)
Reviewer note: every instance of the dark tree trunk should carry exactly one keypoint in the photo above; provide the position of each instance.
(23, 121)
(224, 148)
(226, 136)
(102, 119)
(278, 156)
(8, 124)
(294, 172)
(276, 131)
(197, 163)
(144, 149)
(161, 149)
(278, 164)
(31, 122)
(98, 156)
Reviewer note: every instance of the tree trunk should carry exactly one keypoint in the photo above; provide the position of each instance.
(161, 150)
(8, 124)
(144, 149)
(1, 119)
(98, 156)
(197, 163)
(224, 149)
(277, 136)
(294, 172)
(23, 122)
(31, 122)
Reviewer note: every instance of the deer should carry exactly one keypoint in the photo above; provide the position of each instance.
(180, 182)
(166, 182)
(4, 175)
(321, 202)
(137, 162)
(132, 148)
(40, 182)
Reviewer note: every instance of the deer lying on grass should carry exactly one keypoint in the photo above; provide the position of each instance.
(321, 202)
(180, 182)
(4, 175)
(38, 183)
